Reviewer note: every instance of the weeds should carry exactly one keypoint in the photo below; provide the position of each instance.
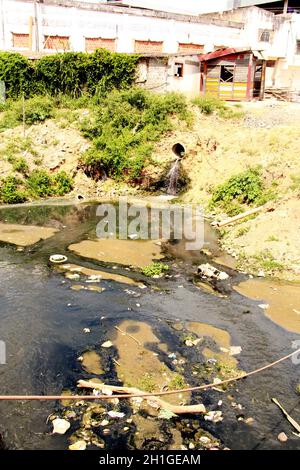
(21, 166)
(155, 269)
(124, 129)
(37, 184)
(208, 104)
(244, 188)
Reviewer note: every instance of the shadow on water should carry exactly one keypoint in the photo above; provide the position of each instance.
(42, 322)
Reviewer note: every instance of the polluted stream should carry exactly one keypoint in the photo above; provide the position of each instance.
(97, 317)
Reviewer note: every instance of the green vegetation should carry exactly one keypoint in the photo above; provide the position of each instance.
(21, 166)
(123, 131)
(11, 191)
(38, 184)
(272, 238)
(266, 261)
(245, 188)
(177, 382)
(155, 269)
(146, 383)
(209, 104)
(295, 186)
(70, 73)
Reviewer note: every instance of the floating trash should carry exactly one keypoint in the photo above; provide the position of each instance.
(58, 258)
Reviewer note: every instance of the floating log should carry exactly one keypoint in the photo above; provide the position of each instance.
(152, 400)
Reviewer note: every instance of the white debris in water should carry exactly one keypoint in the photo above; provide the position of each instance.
(207, 270)
(264, 306)
(116, 414)
(204, 440)
(214, 416)
(107, 344)
(235, 350)
(78, 445)
(86, 330)
(60, 426)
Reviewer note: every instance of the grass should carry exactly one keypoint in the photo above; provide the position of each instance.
(266, 261)
(124, 128)
(37, 184)
(241, 190)
(146, 383)
(242, 231)
(155, 269)
(177, 382)
(295, 186)
(209, 104)
(272, 238)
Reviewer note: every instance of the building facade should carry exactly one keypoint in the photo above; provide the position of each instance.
(42, 27)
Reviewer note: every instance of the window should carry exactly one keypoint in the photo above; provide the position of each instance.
(190, 47)
(59, 43)
(148, 47)
(298, 46)
(265, 36)
(178, 69)
(226, 74)
(21, 41)
(91, 44)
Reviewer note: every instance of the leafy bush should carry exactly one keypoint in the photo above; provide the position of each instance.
(72, 73)
(155, 269)
(11, 191)
(21, 166)
(244, 188)
(123, 129)
(208, 104)
(37, 109)
(18, 74)
(41, 184)
(62, 183)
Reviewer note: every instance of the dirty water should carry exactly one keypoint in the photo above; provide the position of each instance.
(48, 327)
(128, 252)
(280, 300)
(21, 235)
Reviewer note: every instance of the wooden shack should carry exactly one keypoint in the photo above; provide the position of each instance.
(233, 75)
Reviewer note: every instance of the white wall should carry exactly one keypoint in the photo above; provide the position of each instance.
(78, 23)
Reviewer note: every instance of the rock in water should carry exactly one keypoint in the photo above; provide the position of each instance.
(60, 426)
(79, 445)
(282, 437)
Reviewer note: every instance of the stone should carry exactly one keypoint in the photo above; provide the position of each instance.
(282, 437)
(78, 445)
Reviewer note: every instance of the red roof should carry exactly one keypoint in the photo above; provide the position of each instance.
(222, 53)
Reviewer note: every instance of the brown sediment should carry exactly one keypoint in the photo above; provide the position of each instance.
(89, 288)
(138, 365)
(128, 252)
(221, 337)
(24, 235)
(75, 269)
(282, 298)
(91, 362)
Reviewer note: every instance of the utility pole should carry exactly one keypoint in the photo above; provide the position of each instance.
(285, 7)
(37, 39)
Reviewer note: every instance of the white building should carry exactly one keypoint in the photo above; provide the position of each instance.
(42, 27)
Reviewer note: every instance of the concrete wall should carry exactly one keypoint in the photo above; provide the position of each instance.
(158, 74)
(79, 20)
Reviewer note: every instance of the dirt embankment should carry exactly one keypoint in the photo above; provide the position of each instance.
(216, 148)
